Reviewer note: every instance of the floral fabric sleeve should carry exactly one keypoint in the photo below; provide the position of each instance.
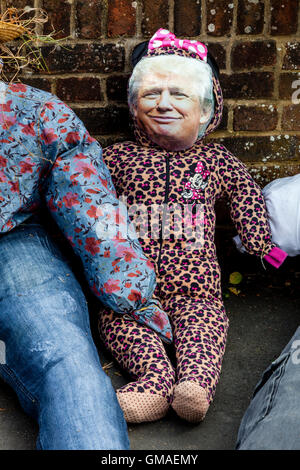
(247, 209)
(82, 199)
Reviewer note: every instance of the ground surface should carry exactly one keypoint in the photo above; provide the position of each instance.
(263, 317)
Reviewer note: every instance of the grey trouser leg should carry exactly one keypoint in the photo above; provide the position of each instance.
(272, 420)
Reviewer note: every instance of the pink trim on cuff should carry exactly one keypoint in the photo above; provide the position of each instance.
(276, 257)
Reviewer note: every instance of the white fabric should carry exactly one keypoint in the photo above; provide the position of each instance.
(282, 198)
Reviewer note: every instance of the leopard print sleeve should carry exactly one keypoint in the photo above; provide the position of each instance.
(111, 157)
(247, 208)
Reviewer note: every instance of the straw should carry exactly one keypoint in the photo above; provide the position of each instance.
(23, 25)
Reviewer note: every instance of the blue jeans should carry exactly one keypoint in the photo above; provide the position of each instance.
(51, 360)
(272, 420)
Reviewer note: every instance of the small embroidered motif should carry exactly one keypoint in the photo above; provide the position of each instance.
(197, 183)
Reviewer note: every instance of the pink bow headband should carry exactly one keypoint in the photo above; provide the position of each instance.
(164, 38)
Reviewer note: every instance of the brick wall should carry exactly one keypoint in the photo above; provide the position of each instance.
(256, 43)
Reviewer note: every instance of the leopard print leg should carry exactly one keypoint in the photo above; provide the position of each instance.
(141, 352)
(200, 330)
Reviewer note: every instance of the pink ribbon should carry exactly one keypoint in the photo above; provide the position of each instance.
(164, 38)
(276, 257)
(200, 169)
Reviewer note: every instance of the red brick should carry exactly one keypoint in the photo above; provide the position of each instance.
(218, 52)
(100, 58)
(291, 59)
(89, 16)
(108, 120)
(286, 88)
(79, 89)
(298, 148)
(155, 16)
(224, 122)
(59, 18)
(254, 54)
(41, 83)
(121, 18)
(250, 17)
(262, 149)
(248, 85)
(291, 118)
(264, 174)
(187, 18)
(219, 17)
(106, 140)
(255, 118)
(284, 16)
(116, 88)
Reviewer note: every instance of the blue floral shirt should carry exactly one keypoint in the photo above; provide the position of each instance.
(47, 155)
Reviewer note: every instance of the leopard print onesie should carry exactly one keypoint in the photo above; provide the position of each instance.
(188, 274)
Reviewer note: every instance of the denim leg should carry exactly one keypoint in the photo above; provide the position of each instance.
(272, 420)
(51, 360)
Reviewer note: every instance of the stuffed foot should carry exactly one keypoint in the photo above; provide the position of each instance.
(190, 401)
(139, 407)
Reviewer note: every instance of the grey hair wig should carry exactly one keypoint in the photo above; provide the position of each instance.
(195, 71)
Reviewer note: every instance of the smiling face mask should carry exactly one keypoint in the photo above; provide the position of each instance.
(171, 99)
